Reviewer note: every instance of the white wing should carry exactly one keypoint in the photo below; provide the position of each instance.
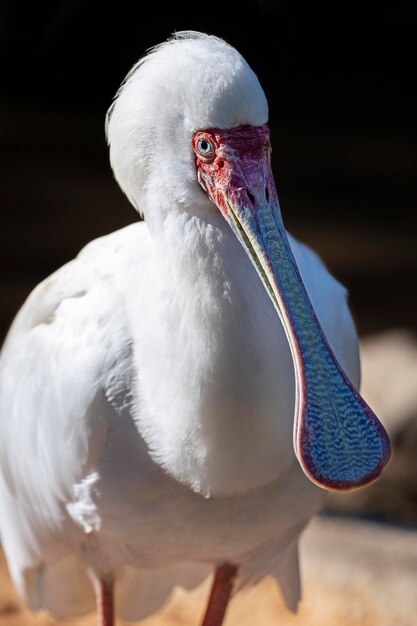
(66, 358)
(66, 353)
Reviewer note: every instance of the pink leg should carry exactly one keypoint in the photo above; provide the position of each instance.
(104, 600)
(220, 594)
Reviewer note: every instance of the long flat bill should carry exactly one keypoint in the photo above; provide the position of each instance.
(338, 440)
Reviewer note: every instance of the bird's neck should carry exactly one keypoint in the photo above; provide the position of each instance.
(214, 349)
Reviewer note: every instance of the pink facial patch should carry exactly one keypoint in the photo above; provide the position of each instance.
(241, 144)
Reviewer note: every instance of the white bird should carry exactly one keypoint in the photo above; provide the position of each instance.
(149, 387)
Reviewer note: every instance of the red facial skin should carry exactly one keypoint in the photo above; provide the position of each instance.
(228, 167)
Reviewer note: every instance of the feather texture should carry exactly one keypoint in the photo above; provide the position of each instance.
(147, 387)
(98, 499)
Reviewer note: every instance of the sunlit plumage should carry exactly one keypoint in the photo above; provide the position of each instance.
(147, 387)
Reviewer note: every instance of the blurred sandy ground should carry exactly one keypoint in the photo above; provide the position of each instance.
(356, 572)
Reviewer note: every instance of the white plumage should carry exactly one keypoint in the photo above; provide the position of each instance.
(147, 387)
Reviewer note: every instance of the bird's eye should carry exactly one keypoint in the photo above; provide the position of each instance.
(204, 147)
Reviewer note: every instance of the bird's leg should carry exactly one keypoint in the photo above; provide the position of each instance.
(104, 601)
(221, 589)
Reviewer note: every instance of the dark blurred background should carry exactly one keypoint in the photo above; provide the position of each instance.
(340, 83)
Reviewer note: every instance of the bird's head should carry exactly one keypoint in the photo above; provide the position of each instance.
(190, 83)
(188, 129)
